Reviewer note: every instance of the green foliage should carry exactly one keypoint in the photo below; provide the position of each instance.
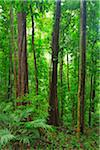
(5, 137)
(13, 119)
(14, 126)
(69, 4)
(39, 123)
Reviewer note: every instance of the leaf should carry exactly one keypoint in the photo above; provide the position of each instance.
(39, 123)
(5, 137)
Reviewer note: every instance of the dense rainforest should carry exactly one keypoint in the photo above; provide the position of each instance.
(49, 74)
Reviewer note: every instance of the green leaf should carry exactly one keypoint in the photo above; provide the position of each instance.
(5, 137)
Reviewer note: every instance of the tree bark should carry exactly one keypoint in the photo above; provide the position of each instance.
(10, 82)
(91, 87)
(53, 100)
(14, 50)
(68, 86)
(10, 77)
(81, 90)
(61, 85)
(22, 55)
(35, 62)
(15, 73)
(93, 93)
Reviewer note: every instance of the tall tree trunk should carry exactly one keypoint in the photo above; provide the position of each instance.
(10, 77)
(15, 73)
(50, 76)
(93, 92)
(14, 50)
(68, 73)
(91, 87)
(22, 58)
(53, 100)
(78, 60)
(22, 55)
(61, 85)
(35, 64)
(81, 90)
(10, 82)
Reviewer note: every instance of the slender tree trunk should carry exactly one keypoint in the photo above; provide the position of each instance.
(53, 100)
(50, 75)
(78, 60)
(10, 82)
(14, 50)
(73, 111)
(24, 67)
(81, 90)
(15, 73)
(22, 55)
(92, 89)
(20, 36)
(68, 73)
(93, 93)
(35, 62)
(61, 85)
(91, 86)
(10, 77)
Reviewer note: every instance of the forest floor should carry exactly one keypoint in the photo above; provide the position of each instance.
(67, 140)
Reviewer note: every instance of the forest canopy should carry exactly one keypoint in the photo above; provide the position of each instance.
(49, 74)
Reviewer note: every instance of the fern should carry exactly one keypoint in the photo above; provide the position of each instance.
(39, 123)
(24, 139)
(5, 137)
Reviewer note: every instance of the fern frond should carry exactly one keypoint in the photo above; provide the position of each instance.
(5, 137)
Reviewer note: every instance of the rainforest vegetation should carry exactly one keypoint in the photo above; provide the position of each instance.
(49, 74)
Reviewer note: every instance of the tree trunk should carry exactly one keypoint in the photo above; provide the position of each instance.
(10, 82)
(22, 55)
(81, 90)
(10, 77)
(14, 50)
(15, 73)
(22, 59)
(53, 100)
(35, 64)
(50, 76)
(91, 87)
(61, 85)
(68, 73)
(93, 93)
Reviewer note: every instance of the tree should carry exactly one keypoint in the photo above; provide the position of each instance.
(35, 62)
(54, 71)
(10, 82)
(53, 101)
(12, 68)
(22, 53)
(81, 90)
(92, 19)
(68, 85)
(61, 84)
